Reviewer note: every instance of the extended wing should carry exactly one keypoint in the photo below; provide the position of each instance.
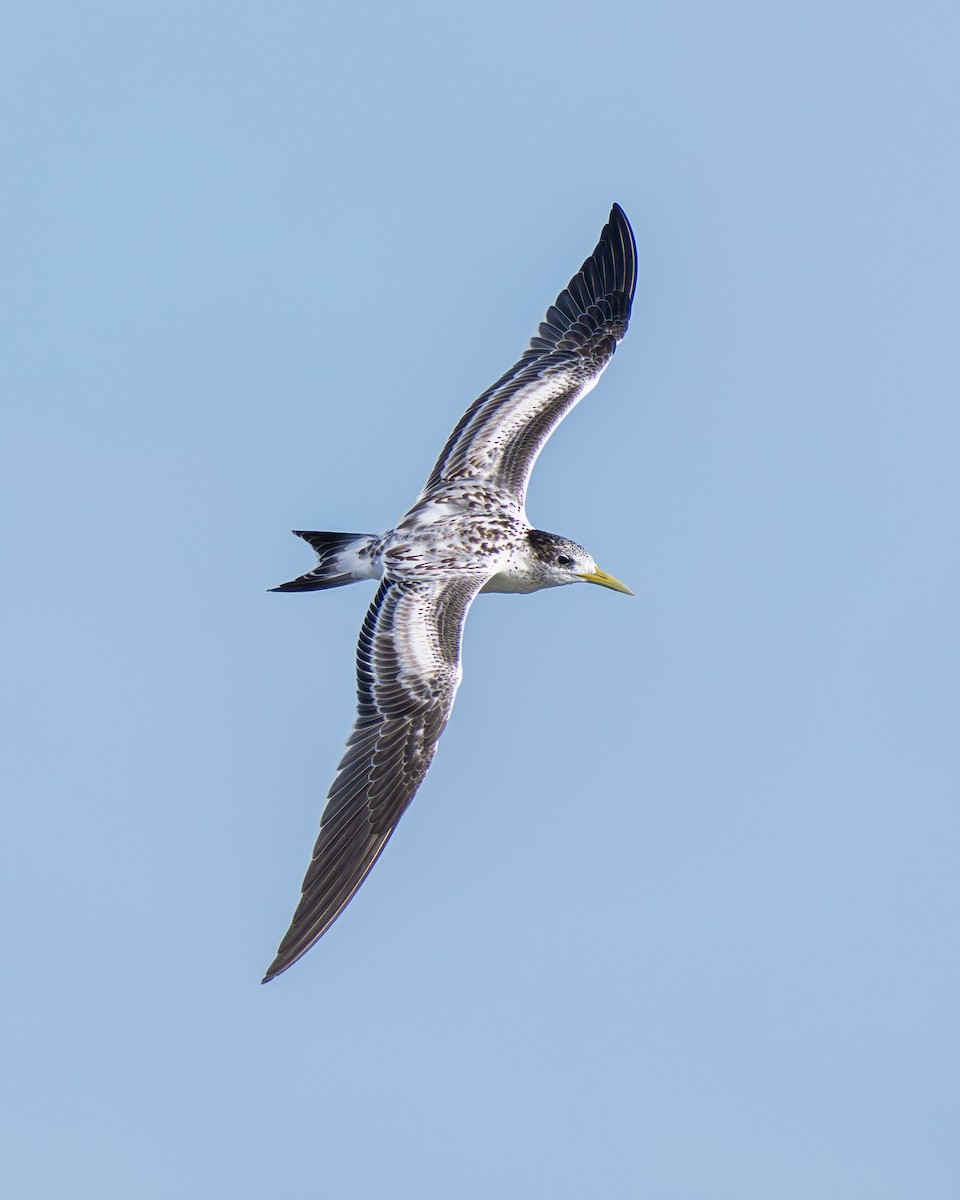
(408, 672)
(501, 433)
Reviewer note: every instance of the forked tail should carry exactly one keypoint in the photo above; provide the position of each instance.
(341, 558)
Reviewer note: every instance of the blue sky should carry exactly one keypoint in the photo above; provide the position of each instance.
(688, 928)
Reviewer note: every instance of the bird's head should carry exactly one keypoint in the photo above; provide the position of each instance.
(561, 561)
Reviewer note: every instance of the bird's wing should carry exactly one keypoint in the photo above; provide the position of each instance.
(501, 433)
(408, 672)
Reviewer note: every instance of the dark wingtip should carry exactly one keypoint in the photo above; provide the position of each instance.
(591, 314)
(277, 967)
(619, 230)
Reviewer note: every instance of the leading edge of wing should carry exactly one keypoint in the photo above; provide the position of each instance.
(408, 671)
(502, 432)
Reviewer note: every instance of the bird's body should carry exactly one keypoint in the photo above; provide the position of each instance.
(466, 533)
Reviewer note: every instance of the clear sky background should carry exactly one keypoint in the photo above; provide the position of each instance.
(675, 913)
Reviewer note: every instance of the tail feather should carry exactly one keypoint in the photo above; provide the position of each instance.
(341, 558)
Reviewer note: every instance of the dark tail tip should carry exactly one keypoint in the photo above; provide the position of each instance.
(338, 558)
(314, 581)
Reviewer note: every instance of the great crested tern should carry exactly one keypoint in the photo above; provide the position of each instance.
(466, 533)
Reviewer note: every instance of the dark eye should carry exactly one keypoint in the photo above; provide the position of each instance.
(564, 561)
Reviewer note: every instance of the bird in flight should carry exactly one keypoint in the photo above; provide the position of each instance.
(466, 533)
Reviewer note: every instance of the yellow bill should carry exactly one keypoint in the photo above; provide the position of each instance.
(606, 580)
